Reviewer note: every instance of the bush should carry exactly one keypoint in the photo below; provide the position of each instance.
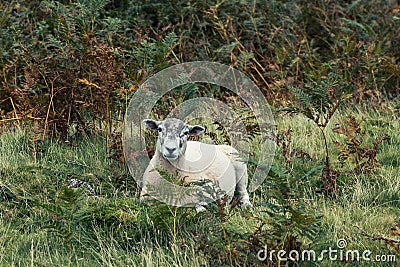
(77, 63)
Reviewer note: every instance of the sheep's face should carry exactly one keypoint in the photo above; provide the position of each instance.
(172, 136)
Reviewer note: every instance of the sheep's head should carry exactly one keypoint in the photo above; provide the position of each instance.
(172, 136)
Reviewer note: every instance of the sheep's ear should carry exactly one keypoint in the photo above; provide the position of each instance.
(151, 124)
(196, 130)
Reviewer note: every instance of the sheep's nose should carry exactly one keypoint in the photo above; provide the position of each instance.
(170, 149)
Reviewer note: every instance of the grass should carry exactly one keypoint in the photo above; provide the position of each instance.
(115, 229)
(68, 64)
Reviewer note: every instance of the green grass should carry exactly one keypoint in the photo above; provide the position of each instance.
(115, 229)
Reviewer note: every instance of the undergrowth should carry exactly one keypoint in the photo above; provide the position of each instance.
(113, 228)
(69, 68)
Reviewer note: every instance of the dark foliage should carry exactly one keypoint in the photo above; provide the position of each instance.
(77, 63)
(354, 151)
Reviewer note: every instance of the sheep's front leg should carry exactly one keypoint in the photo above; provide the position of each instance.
(200, 208)
(151, 181)
(241, 184)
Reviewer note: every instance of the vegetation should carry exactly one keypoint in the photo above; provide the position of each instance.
(330, 71)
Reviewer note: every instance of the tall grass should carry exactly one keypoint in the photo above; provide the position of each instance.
(115, 229)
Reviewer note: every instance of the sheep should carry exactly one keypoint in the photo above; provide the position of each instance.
(195, 161)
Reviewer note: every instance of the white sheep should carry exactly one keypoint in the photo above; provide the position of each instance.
(195, 161)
